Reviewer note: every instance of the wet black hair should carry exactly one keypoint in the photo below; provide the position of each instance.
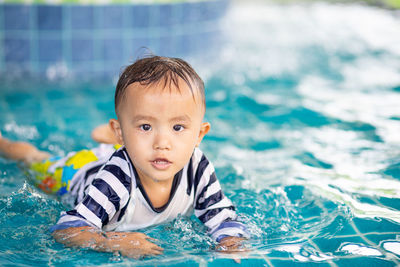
(154, 69)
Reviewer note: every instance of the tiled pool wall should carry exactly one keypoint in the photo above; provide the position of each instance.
(100, 39)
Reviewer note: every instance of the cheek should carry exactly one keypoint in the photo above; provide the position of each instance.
(187, 143)
(136, 140)
(132, 139)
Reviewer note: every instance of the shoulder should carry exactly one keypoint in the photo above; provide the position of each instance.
(117, 172)
(202, 170)
(199, 161)
(198, 156)
(120, 160)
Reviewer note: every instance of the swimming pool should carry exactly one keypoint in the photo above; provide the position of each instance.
(304, 106)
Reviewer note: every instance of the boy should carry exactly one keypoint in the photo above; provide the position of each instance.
(156, 174)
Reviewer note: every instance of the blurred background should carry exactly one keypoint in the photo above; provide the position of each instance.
(96, 38)
(303, 98)
(60, 38)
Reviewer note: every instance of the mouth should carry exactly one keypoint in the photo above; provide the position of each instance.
(161, 163)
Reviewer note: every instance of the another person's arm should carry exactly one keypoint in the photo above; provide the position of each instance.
(104, 134)
(21, 151)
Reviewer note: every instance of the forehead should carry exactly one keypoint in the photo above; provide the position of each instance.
(166, 90)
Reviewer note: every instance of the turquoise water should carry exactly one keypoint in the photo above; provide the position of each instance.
(304, 107)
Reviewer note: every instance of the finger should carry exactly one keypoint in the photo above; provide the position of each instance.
(232, 241)
(151, 239)
(159, 248)
(237, 261)
(149, 245)
(141, 235)
(157, 252)
(152, 252)
(235, 250)
(155, 247)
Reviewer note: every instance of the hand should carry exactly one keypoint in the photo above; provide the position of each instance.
(231, 244)
(133, 245)
(129, 244)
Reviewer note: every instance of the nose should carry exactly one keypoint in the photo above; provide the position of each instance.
(161, 141)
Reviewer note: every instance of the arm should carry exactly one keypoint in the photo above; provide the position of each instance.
(104, 134)
(103, 205)
(21, 151)
(128, 244)
(215, 210)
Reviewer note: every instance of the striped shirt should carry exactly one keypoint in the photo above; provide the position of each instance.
(109, 195)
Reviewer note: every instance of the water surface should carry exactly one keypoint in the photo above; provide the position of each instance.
(304, 106)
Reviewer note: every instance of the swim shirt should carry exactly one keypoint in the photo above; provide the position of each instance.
(110, 196)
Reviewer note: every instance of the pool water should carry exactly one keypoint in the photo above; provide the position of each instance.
(304, 106)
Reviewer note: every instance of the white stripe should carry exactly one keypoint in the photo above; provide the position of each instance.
(68, 218)
(79, 175)
(211, 190)
(183, 182)
(225, 202)
(197, 155)
(88, 214)
(230, 231)
(220, 217)
(121, 163)
(116, 185)
(103, 200)
(205, 179)
(80, 194)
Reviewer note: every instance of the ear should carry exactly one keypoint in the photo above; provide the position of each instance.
(116, 127)
(204, 128)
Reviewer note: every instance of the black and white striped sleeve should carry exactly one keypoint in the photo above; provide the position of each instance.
(212, 207)
(106, 197)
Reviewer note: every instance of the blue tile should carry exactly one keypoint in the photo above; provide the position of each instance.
(167, 47)
(81, 49)
(137, 46)
(83, 68)
(167, 15)
(378, 238)
(376, 225)
(243, 262)
(216, 9)
(391, 202)
(185, 263)
(50, 50)
(16, 17)
(139, 15)
(198, 42)
(194, 12)
(113, 67)
(82, 17)
(333, 244)
(342, 226)
(289, 262)
(49, 17)
(364, 261)
(113, 50)
(183, 44)
(16, 49)
(112, 17)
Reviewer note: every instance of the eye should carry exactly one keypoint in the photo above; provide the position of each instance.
(145, 127)
(178, 128)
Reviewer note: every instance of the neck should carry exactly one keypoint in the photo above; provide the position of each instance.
(158, 192)
(153, 182)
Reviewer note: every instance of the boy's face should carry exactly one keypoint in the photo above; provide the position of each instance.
(160, 128)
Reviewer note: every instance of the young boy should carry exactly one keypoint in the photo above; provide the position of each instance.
(157, 174)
